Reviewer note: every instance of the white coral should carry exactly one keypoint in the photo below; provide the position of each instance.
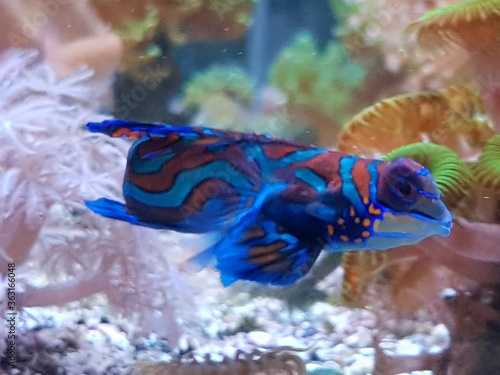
(49, 164)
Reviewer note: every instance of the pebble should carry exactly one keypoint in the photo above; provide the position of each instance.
(407, 347)
(362, 366)
(260, 338)
(362, 338)
(324, 354)
(290, 341)
(341, 350)
(440, 334)
(322, 371)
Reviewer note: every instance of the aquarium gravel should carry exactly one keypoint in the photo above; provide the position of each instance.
(87, 338)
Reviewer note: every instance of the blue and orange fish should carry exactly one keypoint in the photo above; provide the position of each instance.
(274, 204)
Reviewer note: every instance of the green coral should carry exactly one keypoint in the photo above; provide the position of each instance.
(325, 80)
(343, 10)
(487, 169)
(233, 82)
(453, 177)
(136, 31)
(463, 6)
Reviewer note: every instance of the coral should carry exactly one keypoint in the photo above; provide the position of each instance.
(472, 25)
(453, 177)
(217, 80)
(208, 20)
(48, 166)
(222, 97)
(257, 362)
(44, 25)
(448, 117)
(487, 169)
(138, 39)
(372, 32)
(318, 85)
(182, 21)
(360, 268)
(413, 279)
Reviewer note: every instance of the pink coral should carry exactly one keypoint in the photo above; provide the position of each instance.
(49, 164)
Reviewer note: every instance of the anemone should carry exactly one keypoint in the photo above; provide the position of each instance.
(452, 175)
(487, 169)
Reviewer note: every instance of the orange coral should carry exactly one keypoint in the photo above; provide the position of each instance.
(473, 25)
(446, 117)
(360, 267)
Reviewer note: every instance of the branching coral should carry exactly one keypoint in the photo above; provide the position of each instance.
(318, 85)
(49, 164)
(257, 362)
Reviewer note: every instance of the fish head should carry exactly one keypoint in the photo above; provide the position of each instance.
(412, 204)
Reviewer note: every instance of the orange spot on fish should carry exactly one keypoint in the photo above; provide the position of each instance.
(373, 210)
(344, 238)
(331, 231)
(357, 220)
(365, 234)
(366, 222)
(352, 211)
(340, 221)
(127, 133)
(358, 240)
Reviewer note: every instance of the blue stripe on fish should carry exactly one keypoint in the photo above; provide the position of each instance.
(311, 178)
(185, 181)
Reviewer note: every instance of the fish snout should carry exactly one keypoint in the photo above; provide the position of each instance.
(436, 210)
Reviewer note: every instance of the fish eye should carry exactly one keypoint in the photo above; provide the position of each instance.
(404, 189)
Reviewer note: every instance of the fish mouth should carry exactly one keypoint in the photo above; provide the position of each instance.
(437, 213)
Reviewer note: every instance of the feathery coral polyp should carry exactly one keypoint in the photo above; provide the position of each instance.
(49, 164)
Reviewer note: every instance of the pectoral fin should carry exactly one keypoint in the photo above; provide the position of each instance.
(328, 207)
(263, 253)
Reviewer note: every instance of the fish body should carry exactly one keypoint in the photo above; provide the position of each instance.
(275, 204)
